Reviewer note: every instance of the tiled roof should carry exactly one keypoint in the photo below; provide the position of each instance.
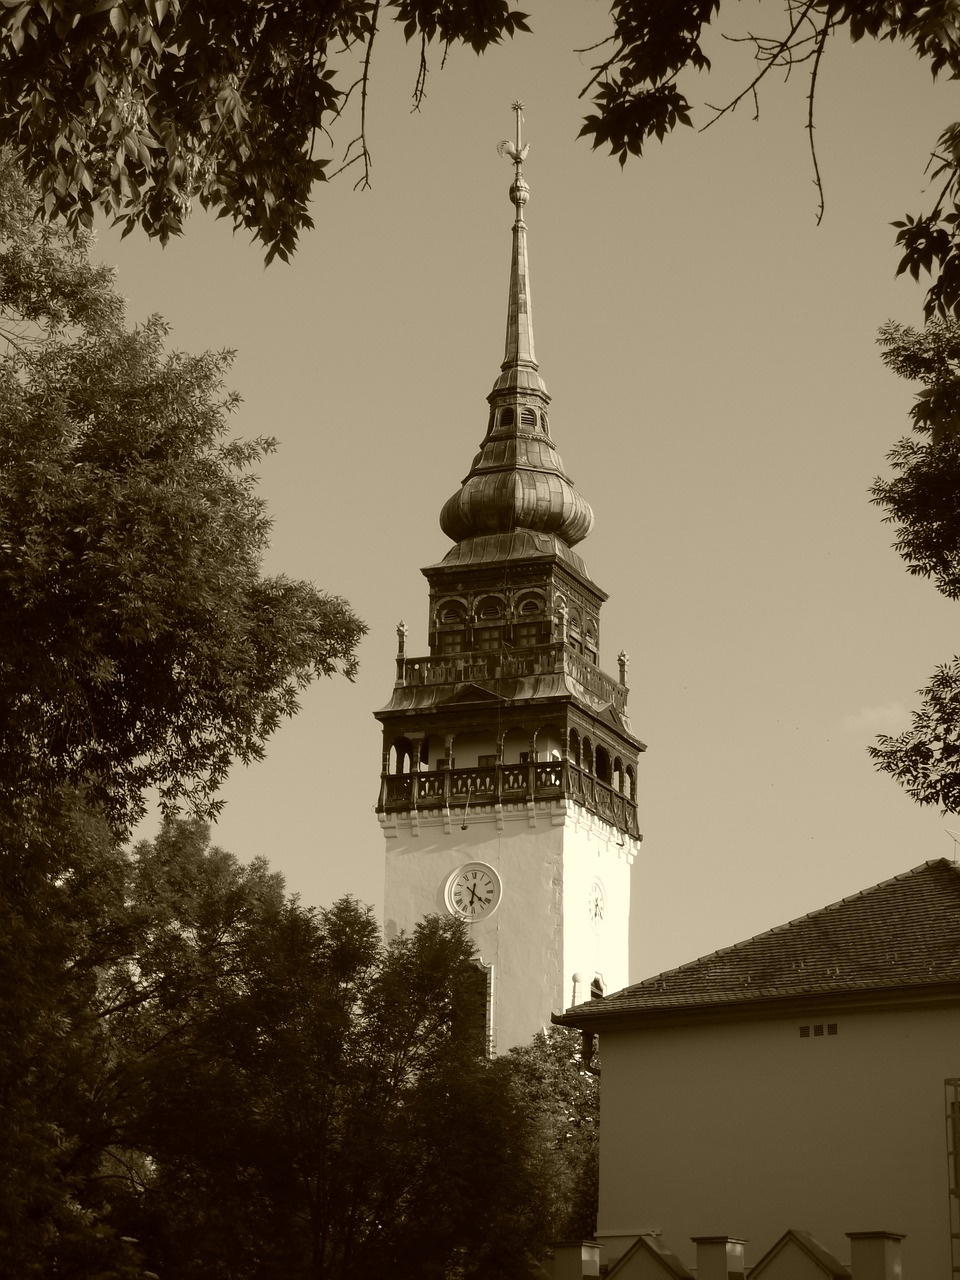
(898, 935)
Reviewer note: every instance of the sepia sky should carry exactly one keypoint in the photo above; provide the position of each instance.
(718, 398)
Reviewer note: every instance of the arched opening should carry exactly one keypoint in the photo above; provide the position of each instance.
(618, 775)
(575, 747)
(587, 755)
(516, 742)
(450, 612)
(603, 764)
(489, 607)
(526, 632)
(400, 756)
(528, 417)
(451, 616)
(486, 637)
(506, 418)
(575, 631)
(591, 648)
(549, 739)
(631, 783)
(596, 988)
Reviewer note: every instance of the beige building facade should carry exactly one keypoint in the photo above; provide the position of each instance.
(799, 1076)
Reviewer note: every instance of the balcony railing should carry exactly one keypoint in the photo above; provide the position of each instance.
(498, 664)
(545, 780)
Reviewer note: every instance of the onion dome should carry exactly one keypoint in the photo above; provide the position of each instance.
(517, 480)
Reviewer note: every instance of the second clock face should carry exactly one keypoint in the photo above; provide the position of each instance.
(473, 892)
(596, 905)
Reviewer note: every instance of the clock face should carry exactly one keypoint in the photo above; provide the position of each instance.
(473, 892)
(596, 904)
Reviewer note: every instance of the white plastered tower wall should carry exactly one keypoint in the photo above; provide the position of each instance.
(548, 856)
(595, 945)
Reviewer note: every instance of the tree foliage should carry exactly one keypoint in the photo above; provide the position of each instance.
(560, 1098)
(329, 1114)
(637, 94)
(922, 500)
(144, 107)
(225, 1083)
(140, 643)
(62, 919)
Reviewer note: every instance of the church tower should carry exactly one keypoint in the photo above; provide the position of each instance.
(509, 777)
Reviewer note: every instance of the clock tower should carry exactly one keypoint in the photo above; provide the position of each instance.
(508, 789)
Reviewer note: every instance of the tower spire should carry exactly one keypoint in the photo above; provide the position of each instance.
(519, 368)
(517, 482)
(509, 769)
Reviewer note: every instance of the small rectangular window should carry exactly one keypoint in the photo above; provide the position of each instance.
(804, 1033)
(831, 1028)
(487, 638)
(451, 642)
(486, 762)
(818, 1029)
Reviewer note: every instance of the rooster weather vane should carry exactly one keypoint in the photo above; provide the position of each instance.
(516, 151)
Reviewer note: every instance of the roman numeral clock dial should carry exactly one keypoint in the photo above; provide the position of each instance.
(473, 892)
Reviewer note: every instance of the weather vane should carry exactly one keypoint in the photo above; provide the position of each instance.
(516, 151)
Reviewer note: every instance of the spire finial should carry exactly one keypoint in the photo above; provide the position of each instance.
(519, 191)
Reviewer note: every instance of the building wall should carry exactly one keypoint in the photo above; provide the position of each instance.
(547, 858)
(741, 1128)
(595, 854)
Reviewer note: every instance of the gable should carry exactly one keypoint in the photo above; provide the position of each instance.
(648, 1259)
(610, 715)
(798, 1256)
(471, 693)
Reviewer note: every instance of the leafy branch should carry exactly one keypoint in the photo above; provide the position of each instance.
(140, 108)
(635, 90)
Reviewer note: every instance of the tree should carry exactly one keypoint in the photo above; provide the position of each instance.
(140, 643)
(91, 953)
(307, 1101)
(923, 501)
(559, 1096)
(202, 1077)
(63, 922)
(637, 95)
(145, 106)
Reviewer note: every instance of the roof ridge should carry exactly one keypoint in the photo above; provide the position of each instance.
(789, 924)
